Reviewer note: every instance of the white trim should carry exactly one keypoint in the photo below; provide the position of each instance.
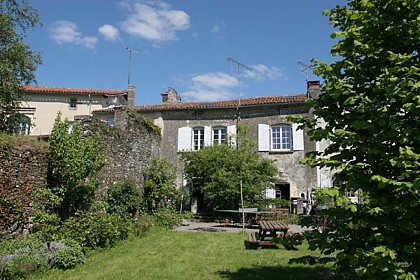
(263, 137)
(184, 138)
(231, 135)
(298, 141)
(207, 136)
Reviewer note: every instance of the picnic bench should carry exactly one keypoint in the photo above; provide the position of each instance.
(254, 241)
(272, 229)
(266, 229)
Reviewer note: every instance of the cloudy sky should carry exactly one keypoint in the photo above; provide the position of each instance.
(184, 44)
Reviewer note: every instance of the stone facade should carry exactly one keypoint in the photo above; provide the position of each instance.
(175, 117)
(129, 146)
(23, 170)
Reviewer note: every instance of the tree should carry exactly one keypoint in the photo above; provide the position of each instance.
(218, 170)
(17, 61)
(159, 187)
(370, 102)
(72, 163)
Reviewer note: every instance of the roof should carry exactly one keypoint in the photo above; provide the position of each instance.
(254, 101)
(57, 90)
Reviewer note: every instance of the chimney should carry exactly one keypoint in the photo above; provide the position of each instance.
(170, 97)
(130, 96)
(313, 89)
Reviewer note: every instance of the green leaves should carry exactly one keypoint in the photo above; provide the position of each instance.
(218, 171)
(72, 163)
(371, 105)
(17, 61)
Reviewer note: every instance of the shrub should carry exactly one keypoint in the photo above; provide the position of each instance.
(166, 217)
(95, 229)
(19, 258)
(68, 256)
(124, 199)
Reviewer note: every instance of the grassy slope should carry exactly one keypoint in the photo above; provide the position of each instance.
(190, 255)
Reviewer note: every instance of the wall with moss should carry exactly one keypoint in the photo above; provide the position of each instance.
(128, 146)
(23, 169)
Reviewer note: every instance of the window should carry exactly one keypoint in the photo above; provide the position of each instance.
(73, 103)
(219, 135)
(281, 138)
(198, 138)
(194, 139)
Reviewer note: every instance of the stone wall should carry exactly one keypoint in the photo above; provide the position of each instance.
(23, 170)
(129, 146)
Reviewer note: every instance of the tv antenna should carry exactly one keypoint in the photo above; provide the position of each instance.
(130, 50)
(238, 66)
(304, 69)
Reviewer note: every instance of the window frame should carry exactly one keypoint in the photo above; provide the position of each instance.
(281, 137)
(198, 144)
(218, 133)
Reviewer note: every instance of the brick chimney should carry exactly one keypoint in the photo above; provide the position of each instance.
(314, 89)
(130, 96)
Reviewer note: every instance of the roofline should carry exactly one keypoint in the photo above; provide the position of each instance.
(242, 103)
(58, 90)
(226, 104)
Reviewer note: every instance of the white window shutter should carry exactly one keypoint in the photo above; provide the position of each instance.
(184, 138)
(297, 138)
(231, 134)
(270, 193)
(263, 137)
(207, 136)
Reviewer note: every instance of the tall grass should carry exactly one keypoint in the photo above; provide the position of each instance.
(190, 255)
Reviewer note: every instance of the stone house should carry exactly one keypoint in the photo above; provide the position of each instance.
(188, 126)
(44, 103)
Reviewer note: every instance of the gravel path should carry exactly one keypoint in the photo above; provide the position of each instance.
(216, 227)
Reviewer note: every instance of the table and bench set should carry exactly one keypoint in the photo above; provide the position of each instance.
(272, 222)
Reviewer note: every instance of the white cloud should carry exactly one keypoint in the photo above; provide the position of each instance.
(211, 87)
(218, 29)
(67, 32)
(109, 32)
(154, 20)
(262, 72)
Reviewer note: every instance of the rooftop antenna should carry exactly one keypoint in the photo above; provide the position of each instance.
(130, 50)
(238, 64)
(304, 69)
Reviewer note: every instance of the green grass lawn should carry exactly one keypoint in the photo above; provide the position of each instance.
(190, 255)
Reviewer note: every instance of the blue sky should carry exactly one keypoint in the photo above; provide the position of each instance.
(184, 44)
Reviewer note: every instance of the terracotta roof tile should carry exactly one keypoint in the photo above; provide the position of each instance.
(276, 99)
(56, 90)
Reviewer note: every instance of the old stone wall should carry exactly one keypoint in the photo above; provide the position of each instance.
(23, 169)
(128, 146)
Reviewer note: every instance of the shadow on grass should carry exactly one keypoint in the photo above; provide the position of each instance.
(279, 272)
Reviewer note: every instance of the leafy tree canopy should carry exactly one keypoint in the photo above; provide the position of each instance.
(159, 187)
(370, 102)
(73, 161)
(218, 170)
(17, 61)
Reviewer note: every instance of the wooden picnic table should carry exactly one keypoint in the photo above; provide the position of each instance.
(271, 229)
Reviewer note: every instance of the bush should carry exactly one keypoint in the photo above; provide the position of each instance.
(165, 217)
(68, 256)
(124, 199)
(95, 230)
(19, 258)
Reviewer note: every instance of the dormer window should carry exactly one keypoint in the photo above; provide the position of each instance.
(73, 103)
